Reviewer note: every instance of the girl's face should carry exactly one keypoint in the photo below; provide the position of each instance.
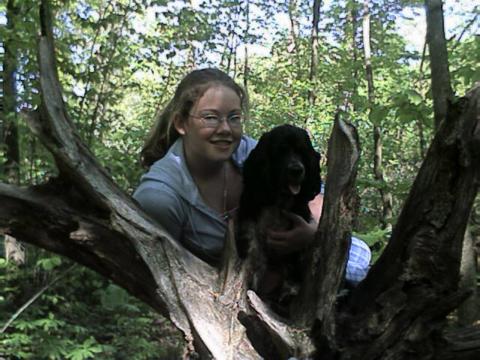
(204, 139)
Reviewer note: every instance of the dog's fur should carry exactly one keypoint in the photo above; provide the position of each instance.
(281, 174)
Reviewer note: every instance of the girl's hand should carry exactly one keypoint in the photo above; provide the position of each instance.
(297, 238)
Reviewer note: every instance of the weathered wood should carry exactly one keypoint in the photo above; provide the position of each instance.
(403, 303)
(325, 268)
(461, 344)
(468, 311)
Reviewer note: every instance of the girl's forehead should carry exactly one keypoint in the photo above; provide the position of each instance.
(219, 96)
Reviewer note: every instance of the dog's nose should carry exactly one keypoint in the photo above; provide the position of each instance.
(296, 169)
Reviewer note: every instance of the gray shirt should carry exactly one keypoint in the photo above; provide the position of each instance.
(168, 193)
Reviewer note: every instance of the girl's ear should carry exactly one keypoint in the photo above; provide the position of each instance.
(179, 124)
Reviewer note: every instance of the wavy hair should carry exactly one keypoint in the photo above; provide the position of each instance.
(192, 87)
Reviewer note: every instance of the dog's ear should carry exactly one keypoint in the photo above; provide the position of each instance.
(255, 194)
(312, 173)
(257, 181)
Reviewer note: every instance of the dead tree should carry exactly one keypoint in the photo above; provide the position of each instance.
(398, 312)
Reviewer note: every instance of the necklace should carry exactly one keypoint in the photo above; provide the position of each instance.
(225, 193)
(227, 213)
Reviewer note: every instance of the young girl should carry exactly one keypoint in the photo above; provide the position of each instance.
(195, 153)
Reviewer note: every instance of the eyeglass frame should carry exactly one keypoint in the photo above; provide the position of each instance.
(220, 120)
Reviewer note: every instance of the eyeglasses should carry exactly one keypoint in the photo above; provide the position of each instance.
(212, 120)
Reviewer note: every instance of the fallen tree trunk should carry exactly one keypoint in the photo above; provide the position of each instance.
(398, 312)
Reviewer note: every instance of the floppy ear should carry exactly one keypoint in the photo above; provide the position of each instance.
(255, 192)
(257, 181)
(312, 173)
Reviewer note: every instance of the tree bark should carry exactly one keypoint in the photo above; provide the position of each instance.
(106, 69)
(246, 35)
(14, 250)
(442, 91)
(385, 195)
(350, 94)
(293, 31)
(314, 52)
(393, 314)
(417, 275)
(442, 94)
(468, 310)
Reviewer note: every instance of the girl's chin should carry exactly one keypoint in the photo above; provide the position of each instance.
(220, 157)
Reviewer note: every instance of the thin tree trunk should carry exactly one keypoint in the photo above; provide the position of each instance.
(107, 70)
(293, 47)
(235, 58)
(442, 94)
(245, 42)
(442, 91)
(348, 100)
(385, 195)
(229, 53)
(314, 54)
(10, 130)
(14, 250)
(191, 51)
(102, 15)
(421, 134)
(292, 16)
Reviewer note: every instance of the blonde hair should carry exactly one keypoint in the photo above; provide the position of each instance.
(163, 133)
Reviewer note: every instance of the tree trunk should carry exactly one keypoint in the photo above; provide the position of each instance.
(468, 310)
(442, 94)
(106, 71)
(396, 313)
(14, 250)
(245, 43)
(292, 16)
(191, 58)
(314, 53)
(350, 93)
(418, 121)
(385, 195)
(442, 91)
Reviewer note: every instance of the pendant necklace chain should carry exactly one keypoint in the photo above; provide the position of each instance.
(227, 213)
(225, 192)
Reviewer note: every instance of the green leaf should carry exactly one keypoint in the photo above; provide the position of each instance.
(114, 296)
(49, 264)
(414, 97)
(378, 114)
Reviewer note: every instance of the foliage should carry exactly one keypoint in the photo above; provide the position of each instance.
(95, 320)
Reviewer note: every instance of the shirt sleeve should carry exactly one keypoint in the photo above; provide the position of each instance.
(163, 205)
(358, 264)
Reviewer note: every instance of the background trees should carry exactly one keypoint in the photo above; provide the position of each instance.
(119, 61)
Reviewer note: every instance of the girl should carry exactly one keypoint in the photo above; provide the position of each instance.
(195, 152)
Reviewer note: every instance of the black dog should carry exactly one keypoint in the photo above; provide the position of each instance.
(281, 174)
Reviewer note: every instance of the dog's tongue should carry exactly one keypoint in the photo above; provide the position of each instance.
(294, 189)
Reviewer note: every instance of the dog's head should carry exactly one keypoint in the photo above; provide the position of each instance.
(282, 169)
